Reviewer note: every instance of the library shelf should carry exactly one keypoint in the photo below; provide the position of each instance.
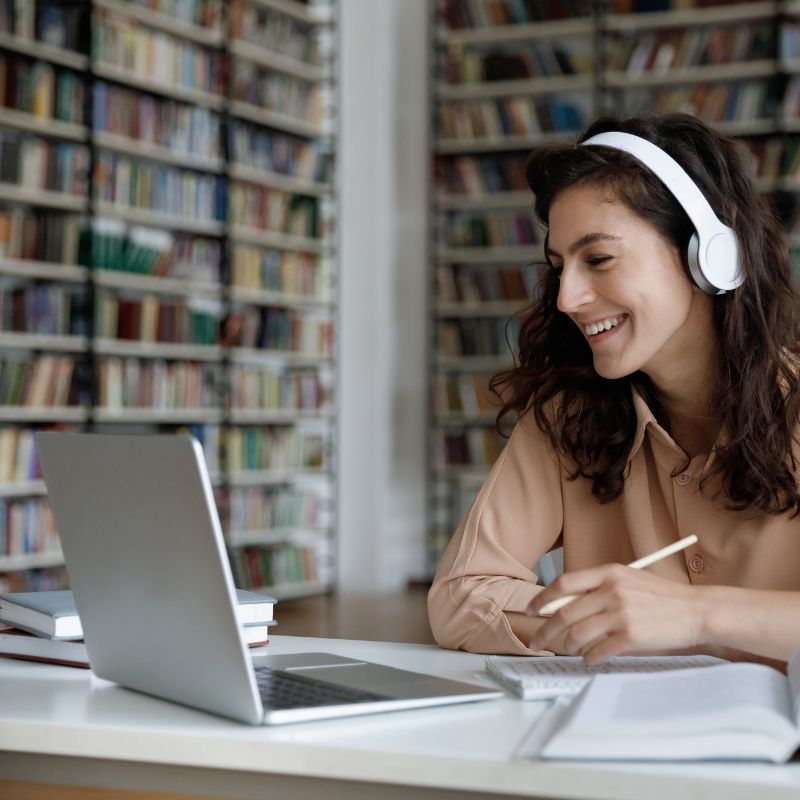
(43, 126)
(455, 202)
(472, 363)
(485, 90)
(165, 416)
(181, 352)
(196, 96)
(45, 52)
(503, 34)
(278, 120)
(45, 270)
(790, 64)
(214, 48)
(45, 198)
(22, 414)
(746, 127)
(299, 11)
(277, 180)
(116, 279)
(160, 219)
(276, 416)
(501, 143)
(488, 308)
(277, 239)
(33, 488)
(267, 297)
(17, 563)
(13, 340)
(292, 591)
(709, 73)
(246, 538)
(490, 255)
(456, 418)
(679, 18)
(153, 152)
(164, 22)
(275, 477)
(243, 355)
(275, 61)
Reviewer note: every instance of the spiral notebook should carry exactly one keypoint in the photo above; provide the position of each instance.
(547, 677)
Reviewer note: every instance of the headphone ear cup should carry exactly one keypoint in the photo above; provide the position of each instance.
(693, 258)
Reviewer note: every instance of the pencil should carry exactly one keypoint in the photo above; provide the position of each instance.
(550, 608)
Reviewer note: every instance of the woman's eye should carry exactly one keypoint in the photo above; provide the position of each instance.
(596, 261)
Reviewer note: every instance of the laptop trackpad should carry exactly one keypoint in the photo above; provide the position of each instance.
(390, 682)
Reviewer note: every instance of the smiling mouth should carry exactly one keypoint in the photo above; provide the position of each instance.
(600, 331)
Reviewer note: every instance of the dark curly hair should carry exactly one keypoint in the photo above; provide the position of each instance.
(591, 420)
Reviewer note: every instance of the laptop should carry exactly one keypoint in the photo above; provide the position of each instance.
(148, 568)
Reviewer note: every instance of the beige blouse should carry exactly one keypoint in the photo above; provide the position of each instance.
(527, 507)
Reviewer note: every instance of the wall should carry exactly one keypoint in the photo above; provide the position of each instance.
(383, 174)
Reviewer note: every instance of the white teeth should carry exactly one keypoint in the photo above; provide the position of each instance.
(605, 325)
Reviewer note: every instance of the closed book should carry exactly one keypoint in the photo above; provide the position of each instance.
(53, 614)
(50, 614)
(16, 643)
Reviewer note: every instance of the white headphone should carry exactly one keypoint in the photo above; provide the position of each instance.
(713, 254)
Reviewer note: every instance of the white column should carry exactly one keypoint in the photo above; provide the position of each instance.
(383, 173)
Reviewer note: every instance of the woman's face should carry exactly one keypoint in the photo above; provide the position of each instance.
(624, 286)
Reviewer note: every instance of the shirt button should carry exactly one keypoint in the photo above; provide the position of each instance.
(696, 563)
(683, 479)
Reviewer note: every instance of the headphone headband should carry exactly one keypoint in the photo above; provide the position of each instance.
(713, 251)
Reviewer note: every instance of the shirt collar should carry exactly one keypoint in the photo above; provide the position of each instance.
(644, 417)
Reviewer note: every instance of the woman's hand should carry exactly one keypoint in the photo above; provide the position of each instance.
(618, 611)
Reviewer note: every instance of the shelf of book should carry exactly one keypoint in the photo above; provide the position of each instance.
(277, 62)
(454, 202)
(163, 22)
(160, 219)
(490, 255)
(491, 144)
(288, 183)
(277, 416)
(293, 591)
(45, 52)
(155, 285)
(278, 120)
(160, 416)
(288, 357)
(525, 87)
(14, 193)
(711, 73)
(188, 95)
(43, 270)
(507, 34)
(265, 297)
(278, 240)
(41, 341)
(275, 477)
(122, 144)
(22, 489)
(37, 414)
(247, 538)
(42, 126)
(687, 17)
(497, 308)
(301, 11)
(181, 352)
(31, 561)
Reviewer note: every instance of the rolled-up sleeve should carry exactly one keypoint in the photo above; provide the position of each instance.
(486, 569)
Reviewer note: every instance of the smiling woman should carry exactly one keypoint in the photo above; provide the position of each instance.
(657, 394)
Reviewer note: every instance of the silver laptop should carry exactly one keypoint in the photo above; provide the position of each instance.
(147, 565)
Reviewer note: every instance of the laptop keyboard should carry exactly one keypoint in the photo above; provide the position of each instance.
(281, 689)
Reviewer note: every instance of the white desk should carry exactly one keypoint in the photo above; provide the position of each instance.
(64, 726)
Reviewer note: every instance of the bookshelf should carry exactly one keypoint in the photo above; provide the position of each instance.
(167, 197)
(509, 76)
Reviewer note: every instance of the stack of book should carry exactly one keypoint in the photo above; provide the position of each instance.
(45, 626)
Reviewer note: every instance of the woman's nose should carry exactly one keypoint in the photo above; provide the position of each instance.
(575, 289)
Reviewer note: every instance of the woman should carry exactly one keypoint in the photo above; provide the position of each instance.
(650, 407)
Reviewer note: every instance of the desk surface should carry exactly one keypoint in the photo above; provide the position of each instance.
(57, 711)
